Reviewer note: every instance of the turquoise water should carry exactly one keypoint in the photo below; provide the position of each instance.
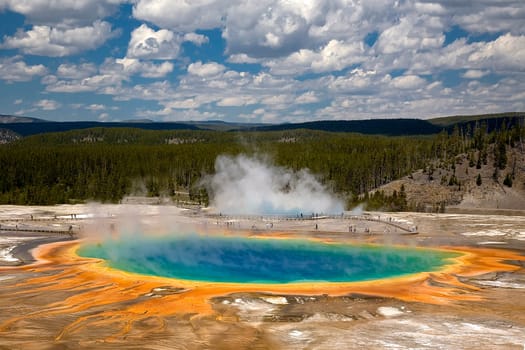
(249, 260)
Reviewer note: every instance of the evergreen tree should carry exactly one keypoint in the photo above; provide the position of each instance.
(500, 155)
(471, 161)
(495, 175)
(478, 163)
(508, 180)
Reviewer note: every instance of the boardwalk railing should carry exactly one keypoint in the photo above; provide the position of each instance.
(71, 232)
(276, 218)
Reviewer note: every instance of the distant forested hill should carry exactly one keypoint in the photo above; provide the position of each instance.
(491, 122)
(404, 127)
(24, 126)
(26, 129)
(389, 127)
(463, 119)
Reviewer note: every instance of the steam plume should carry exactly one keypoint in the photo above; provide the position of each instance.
(250, 185)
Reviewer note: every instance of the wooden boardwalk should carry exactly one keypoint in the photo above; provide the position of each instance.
(23, 224)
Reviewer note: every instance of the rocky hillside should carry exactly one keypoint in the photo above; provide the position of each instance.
(464, 184)
(7, 119)
(7, 136)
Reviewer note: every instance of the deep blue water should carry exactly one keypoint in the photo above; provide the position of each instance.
(242, 259)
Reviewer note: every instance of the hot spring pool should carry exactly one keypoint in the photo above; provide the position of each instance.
(262, 260)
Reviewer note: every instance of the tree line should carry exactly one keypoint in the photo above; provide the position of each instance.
(106, 164)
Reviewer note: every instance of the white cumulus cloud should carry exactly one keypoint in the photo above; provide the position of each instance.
(14, 69)
(181, 15)
(197, 39)
(62, 12)
(205, 69)
(76, 71)
(307, 97)
(481, 16)
(408, 82)
(147, 43)
(236, 101)
(335, 55)
(146, 69)
(412, 33)
(475, 74)
(47, 105)
(56, 42)
(506, 52)
(95, 107)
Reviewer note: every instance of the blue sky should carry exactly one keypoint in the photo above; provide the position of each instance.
(260, 61)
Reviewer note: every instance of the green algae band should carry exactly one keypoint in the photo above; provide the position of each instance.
(253, 260)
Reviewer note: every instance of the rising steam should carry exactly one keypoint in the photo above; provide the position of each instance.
(250, 185)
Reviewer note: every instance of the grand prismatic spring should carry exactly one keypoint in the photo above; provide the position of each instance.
(276, 287)
(237, 259)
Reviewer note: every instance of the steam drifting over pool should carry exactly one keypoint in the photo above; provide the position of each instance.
(252, 185)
